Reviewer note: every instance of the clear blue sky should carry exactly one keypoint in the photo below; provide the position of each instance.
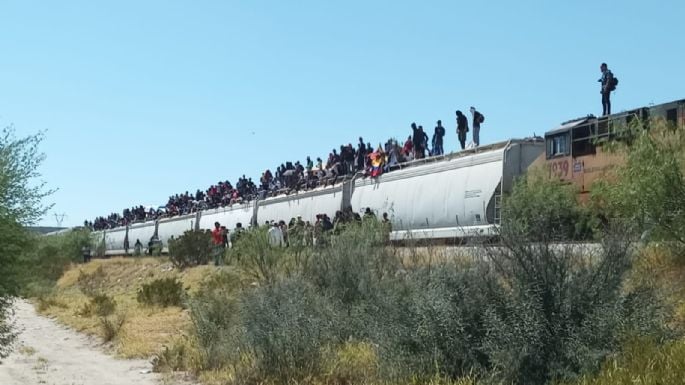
(142, 99)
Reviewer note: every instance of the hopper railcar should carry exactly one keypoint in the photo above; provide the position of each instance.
(450, 197)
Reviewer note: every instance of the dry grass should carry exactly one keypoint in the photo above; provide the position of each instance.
(26, 350)
(658, 266)
(146, 329)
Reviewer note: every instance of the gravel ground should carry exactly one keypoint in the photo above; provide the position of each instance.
(49, 353)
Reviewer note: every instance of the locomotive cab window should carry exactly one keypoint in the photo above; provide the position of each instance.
(583, 140)
(558, 145)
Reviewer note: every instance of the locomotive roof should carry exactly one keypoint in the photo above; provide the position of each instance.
(569, 125)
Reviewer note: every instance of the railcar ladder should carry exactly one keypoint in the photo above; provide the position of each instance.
(498, 209)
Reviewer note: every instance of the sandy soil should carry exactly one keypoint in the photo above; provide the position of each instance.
(49, 353)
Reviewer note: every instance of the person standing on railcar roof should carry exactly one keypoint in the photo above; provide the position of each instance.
(462, 128)
(437, 139)
(478, 119)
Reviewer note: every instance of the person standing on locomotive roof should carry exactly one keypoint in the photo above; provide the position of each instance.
(478, 119)
(462, 128)
(607, 81)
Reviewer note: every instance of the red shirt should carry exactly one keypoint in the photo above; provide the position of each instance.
(217, 237)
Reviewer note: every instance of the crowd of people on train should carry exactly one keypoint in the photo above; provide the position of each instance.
(341, 163)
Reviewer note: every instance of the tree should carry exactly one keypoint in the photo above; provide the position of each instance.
(21, 204)
(650, 186)
(560, 308)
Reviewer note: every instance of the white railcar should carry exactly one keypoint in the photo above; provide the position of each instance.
(325, 200)
(228, 216)
(139, 231)
(174, 227)
(454, 196)
(114, 240)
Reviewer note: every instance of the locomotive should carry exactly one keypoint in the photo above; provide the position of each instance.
(574, 151)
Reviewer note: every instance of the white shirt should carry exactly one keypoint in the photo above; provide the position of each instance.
(275, 236)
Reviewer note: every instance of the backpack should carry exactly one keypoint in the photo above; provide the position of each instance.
(613, 84)
(481, 119)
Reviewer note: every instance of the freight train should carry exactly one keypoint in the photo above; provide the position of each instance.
(455, 196)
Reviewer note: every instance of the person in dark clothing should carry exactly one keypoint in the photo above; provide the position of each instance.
(438, 135)
(424, 141)
(462, 128)
(607, 81)
(224, 235)
(416, 140)
(85, 251)
(478, 118)
(326, 224)
(360, 154)
(137, 248)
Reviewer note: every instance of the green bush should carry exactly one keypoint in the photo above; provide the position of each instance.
(45, 258)
(649, 190)
(91, 283)
(162, 292)
(641, 362)
(101, 305)
(180, 356)
(528, 311)
(217, 325)
(193, 248)
(110, 326)
(541, 209)
(255, 255)
(299, 322)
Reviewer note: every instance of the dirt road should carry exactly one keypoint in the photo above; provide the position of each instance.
(49, 353)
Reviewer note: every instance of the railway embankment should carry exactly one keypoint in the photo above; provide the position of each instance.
(533, 310)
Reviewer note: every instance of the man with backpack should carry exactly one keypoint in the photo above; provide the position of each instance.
(609, 83)
(478, 119)
(437, 139)
(462, 128)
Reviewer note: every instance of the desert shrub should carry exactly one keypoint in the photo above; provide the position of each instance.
(43, 260)
(255, 255)
(431, 320)
(91, 283)
(110, 326)
(643, 362)
(48, 300)
(162, 292)
(193, 248)
(546, 209)
(560, 310)
(101, 305)
(225, 282)
(7, 332)
(286, 327)
(216, 323)
(182, 355)
(649, 188)
(527, 311)
(350, 363)
(350, 267)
